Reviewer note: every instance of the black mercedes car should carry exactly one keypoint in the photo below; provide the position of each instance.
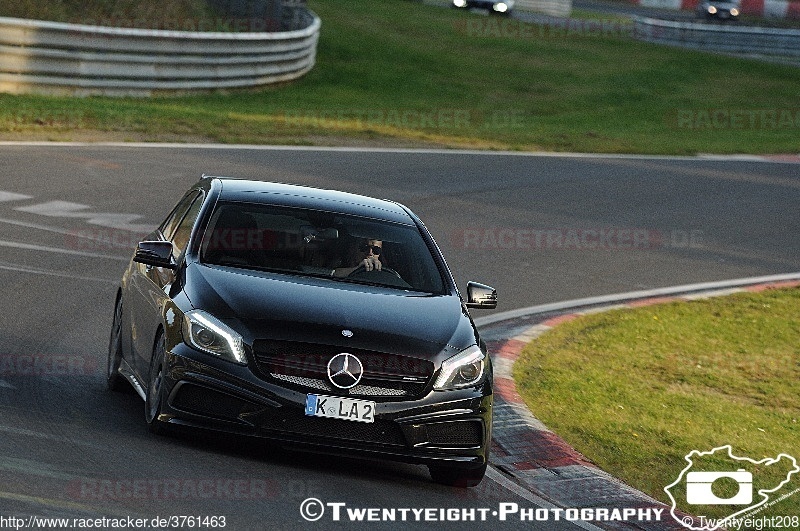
(311, 317)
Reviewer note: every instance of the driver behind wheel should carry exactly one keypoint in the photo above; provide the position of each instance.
(365, 253)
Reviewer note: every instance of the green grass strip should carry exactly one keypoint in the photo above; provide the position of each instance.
(637, 390)
(405, 73)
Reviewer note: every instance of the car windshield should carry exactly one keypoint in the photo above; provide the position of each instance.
(318, 243)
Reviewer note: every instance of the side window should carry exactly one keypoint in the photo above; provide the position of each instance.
(180, 237)
(171, 223)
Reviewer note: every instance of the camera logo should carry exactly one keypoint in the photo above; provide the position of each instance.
(719, 486)
(698, 488)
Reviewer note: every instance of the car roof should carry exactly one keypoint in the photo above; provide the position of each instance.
(293, 195)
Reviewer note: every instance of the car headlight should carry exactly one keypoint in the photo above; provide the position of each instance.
(734, 12)
(712, 10)
(205, 332)
(460, 3)
(462, 370)
(501, 7)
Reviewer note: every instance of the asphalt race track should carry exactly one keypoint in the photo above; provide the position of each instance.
(538, 228)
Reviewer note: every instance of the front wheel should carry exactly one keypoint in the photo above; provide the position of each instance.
(155, 389)
(457, 477)
(114, 380)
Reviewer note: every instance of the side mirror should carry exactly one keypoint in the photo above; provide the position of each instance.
(481, 296)
(155, 253)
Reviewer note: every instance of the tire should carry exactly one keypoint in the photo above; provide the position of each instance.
(155, 389)
(114, 380)
(457, 477)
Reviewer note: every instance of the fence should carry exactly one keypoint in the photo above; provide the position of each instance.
(556, 8)
(727, 38)
(58, 58)
(761, 8)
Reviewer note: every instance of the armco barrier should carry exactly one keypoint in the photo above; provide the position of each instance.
(760, 8)
(556, 8)
(56, 58)
(729, 38)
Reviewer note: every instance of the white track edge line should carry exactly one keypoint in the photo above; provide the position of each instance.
(632, 295)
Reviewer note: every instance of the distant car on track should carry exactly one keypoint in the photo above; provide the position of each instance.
(502, 7)
(718, 9)
(236, 315)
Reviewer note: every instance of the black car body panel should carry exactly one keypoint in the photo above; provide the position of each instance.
(247, 342)
(296, 305)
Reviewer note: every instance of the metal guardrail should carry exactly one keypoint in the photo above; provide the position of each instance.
(57, 58)
(556, 8)
(729, 38)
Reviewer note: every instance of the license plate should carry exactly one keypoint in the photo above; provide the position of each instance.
(336, 407)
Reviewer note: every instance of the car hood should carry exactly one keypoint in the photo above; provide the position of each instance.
(317, 310)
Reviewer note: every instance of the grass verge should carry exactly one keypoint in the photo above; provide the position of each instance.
(636, 390)
(406, 73)
(150, 14)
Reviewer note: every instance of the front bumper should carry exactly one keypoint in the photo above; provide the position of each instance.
(442, 427)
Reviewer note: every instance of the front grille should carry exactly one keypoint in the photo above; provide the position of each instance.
(310, 383)
(462, 433)
(295, 422)
(358, 390)
(303, 366)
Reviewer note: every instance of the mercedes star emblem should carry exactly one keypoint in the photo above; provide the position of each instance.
(345, 370)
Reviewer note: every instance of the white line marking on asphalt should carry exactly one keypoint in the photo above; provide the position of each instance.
(416, 151)
(57, 209)
(11, 196)
(503, 481)
(33, 247)
(67, 209)
(632, 295)
(47, 436)
(50, 505)
(33, 468)
(48, 228)
(34, 271)
(103, 237)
